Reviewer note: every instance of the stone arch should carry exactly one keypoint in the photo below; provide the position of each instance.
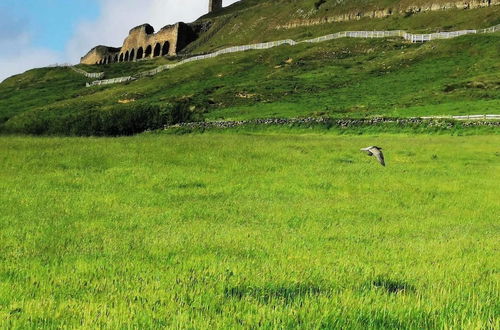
(127, 56)
(148, 51)
(121, 58)
(140, 53)
(165, 49)
(157, 50)
(132, 55)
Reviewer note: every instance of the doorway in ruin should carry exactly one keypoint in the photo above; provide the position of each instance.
(115, 59)
(165, 49)
(127, 56)
(132, 55)
(157, 50)
(148, 52)
(121, 57)
(140, 53)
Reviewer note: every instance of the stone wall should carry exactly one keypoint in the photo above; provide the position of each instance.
(97, 54)
(214, 5)
(142, 43)
(326, 122)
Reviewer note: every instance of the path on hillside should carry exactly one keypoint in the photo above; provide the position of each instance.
(266, 45)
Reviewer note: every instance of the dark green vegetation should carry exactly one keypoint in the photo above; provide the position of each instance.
(341, 78)
(239, 231)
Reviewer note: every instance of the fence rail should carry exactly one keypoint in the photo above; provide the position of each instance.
(466, 117)
(97, 75)
(414, 38)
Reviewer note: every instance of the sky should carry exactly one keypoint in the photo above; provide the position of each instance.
(38, 33)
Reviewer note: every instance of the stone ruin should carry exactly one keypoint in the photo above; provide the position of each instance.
(143, 43)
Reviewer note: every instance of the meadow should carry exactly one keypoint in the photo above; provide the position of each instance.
(277, 230)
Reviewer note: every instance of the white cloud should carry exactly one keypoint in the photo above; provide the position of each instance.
(18, 56)
(110, 28)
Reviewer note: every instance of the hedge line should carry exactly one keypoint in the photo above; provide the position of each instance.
(125, 119)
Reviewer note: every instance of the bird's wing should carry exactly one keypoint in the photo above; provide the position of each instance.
(380, 156)
(368, 151)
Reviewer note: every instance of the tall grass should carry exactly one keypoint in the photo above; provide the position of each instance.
(241, 231)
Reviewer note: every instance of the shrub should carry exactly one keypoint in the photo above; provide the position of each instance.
(124, 119)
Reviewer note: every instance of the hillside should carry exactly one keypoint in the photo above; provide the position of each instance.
(338, 78)
(251, 21)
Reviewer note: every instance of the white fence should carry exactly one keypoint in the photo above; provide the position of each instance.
(266, 45)
(111, 81)
(98, 75)
(467, 117)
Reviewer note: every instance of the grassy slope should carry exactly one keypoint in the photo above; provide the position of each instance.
(346, 77)
(225, 231)
(255, 21)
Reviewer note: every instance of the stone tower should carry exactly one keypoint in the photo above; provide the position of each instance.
(214, 5)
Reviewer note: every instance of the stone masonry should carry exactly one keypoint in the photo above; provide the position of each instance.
(214, 5)
(386, 12)
(143, 43)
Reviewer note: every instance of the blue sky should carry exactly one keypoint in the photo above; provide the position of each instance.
(51, 22)
(37, 33)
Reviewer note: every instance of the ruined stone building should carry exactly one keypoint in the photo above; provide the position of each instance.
(142, 42)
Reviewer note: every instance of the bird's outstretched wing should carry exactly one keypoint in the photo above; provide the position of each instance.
(368, 151)
(378, 153)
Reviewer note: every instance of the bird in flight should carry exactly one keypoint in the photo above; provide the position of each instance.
(377, 152)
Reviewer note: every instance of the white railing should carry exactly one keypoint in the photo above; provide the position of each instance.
(465, 117)
(111, 81)
(97, 75)
(266, 45)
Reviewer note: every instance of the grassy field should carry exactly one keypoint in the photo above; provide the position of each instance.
(245, 230)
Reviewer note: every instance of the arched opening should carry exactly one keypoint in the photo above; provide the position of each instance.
(157, 50)
(165, 49)
(148, 52)
(140, 53)
(126, 56)
(97, 63)
(115, 59)
(132, 55)
(109, 60)
(100, 62)
(121, 57)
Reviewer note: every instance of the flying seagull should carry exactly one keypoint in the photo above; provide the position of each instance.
(377, 152)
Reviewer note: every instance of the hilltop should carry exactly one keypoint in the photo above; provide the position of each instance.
(338, 78)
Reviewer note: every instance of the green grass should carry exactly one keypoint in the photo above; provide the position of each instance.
(341, 78)
(247, 230)
(254, 21)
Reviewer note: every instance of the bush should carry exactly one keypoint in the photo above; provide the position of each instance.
(124, 119)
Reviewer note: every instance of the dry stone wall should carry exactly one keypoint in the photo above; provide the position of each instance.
(445, 122)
